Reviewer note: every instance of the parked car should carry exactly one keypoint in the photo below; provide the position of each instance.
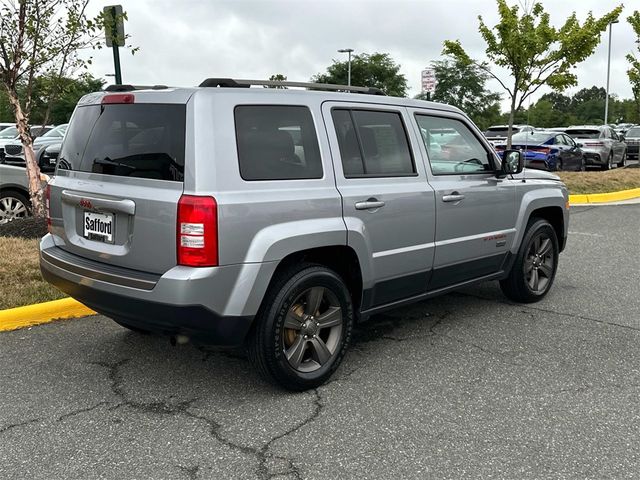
(14, 152)
(632, 139)
(190, 211)
(9, 136)
(5, 125)
(550, 151)
(498, 133)
(600, 144)
(48, 157)
(14, 193)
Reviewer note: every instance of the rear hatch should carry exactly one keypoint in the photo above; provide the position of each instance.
(119, 178)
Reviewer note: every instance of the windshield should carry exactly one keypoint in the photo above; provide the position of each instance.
(11, 132)
(530, 137)
(584, 133)
(57, 132)
(129, 140)
(633, 132)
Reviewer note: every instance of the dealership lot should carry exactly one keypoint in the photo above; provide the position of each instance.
(465, 385)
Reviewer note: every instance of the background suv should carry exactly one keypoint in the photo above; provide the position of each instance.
(278, 218)
(498, 133)
(600, 144)
(632, 139)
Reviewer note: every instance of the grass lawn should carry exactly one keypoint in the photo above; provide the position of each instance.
(20, 280)
(595, 181)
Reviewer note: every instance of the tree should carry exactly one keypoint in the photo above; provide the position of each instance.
(375, 70)
(634, 70)
(40, 38)
(463, 85)
(278, 77)
(534, 52)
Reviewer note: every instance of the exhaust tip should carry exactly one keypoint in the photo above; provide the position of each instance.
(178, 340)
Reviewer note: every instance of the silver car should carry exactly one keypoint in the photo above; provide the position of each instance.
(601, 145)
(279, 218)
(497, 134)
(14, 193)
(632, 139)
(14, 152)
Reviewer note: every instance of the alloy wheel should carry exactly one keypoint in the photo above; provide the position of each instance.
(312, 329)
(539, 263)
(10, 208)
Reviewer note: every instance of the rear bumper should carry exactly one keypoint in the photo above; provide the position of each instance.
(205, 304)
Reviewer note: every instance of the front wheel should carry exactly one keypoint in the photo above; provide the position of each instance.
(303, 329)
(13, 205)
(535, 265)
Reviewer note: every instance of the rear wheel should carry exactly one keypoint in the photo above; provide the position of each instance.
(303, 329)
(607, 166)
(13, 205)
(535, 265)
(581, 166)
(622, 160)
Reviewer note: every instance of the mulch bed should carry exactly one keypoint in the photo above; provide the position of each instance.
(29, 227)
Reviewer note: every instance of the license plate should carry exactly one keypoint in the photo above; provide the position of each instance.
(98, 226)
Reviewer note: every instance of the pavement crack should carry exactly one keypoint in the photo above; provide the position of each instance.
(548, 310)
(11, 426)
(80, 410)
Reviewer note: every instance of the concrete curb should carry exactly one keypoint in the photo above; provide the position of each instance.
(21, 317)
(605, 197)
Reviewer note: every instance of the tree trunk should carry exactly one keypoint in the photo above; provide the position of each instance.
(36, 189)
(512, 114)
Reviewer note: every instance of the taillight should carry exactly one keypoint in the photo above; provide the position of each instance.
(47, 205)
(197, 231)
(118, 98)
(539, 149)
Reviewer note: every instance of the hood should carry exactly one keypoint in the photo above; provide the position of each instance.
(534, 174)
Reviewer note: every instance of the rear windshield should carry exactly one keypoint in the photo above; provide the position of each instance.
(530, 137)
(127, 140)
(584, 133)
(499, 131)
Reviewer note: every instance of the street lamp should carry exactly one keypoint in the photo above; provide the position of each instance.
(347, 50)
(606, 101)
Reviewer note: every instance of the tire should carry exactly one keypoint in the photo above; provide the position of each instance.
(305, 355)
(523, 285)
(607, 166)
(13, 204)
(622, 160)
(582, 167)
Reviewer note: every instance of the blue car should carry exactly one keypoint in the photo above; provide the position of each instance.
(551, 151)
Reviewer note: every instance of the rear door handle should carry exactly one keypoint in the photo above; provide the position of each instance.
(370, 204)
(453, 197)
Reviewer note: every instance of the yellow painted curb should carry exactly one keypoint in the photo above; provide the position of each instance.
(20, 317)
(605, 197)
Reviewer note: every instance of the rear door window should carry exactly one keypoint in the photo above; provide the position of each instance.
(277, 142)
(372, 143)
(129, 140)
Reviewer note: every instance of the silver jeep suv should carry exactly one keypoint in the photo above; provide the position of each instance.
(279, 218)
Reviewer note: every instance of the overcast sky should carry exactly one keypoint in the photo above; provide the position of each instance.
(183, 42)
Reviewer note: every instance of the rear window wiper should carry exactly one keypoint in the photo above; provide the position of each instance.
(108, 161)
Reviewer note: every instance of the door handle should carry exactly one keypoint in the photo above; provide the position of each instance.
(123, 206)
(453, 197)
(370, 204)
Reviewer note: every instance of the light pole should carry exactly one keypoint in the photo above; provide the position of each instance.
(606, 101)
(347, 50)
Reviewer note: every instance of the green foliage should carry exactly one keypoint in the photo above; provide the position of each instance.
(533, 51)
(634, 62)
(463, 85)
(375, 70)
(278, 77)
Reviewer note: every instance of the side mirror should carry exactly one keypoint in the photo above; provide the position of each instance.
(512, 162)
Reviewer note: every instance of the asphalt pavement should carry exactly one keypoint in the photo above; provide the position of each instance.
(462, 386)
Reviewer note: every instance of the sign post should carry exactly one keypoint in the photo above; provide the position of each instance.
(428, 81)
(114, 35)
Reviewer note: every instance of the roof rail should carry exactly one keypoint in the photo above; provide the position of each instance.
(129, 88)
(231, 83)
